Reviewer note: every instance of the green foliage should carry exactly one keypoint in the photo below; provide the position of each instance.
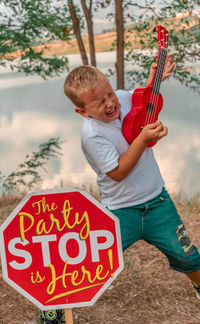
(183, 42)
(142, 16)
(26, 23)
(170, 9)
(27, 173)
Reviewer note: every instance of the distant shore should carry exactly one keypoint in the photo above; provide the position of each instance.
(104, 42)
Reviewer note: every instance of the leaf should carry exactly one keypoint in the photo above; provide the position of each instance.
(28, 23)
(27, 173)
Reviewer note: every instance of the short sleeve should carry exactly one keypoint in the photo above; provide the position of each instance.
(101, 154)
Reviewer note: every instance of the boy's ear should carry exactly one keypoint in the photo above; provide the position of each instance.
(81, 111)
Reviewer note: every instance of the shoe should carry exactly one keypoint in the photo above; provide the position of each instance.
(197, 288)
(52, 317)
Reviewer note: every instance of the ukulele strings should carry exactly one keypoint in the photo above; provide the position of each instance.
(156, 86)
(153, 95)
(158, 82)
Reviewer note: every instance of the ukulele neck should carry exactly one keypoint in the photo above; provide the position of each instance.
(156, 82)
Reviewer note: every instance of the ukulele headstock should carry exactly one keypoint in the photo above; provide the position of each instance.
(163, 36)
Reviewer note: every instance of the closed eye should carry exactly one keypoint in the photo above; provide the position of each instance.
(101, 102)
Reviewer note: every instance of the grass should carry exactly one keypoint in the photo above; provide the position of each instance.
(146, 291)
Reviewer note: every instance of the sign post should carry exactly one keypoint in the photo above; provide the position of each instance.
(68, 316)
(61, 249)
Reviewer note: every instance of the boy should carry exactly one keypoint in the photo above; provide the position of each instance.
(128, 176)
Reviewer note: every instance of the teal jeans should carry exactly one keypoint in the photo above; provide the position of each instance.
(158, 223)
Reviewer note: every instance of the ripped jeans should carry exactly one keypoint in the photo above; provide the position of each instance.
(158, 223)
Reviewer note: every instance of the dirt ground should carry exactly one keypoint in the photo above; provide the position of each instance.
(146, 291)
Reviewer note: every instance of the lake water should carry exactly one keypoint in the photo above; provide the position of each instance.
(34, 110)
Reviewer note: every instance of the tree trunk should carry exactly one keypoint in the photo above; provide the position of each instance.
(120, 43)
(88, 16)
(77, 32)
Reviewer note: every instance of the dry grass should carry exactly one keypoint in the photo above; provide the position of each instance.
(147, 291)
(103, 43)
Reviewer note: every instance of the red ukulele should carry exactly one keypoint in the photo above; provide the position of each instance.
(147, 102)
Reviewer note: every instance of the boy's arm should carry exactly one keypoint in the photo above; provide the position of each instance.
(128, 160)
(151, 132)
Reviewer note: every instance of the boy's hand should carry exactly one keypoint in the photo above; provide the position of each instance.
(129, 159)
(168, 68)
(153, 132)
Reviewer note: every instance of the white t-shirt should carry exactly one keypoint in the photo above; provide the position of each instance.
(103, 144)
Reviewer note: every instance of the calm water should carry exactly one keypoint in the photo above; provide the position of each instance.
(33, 110)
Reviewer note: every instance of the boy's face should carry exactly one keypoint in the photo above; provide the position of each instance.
(100, 103)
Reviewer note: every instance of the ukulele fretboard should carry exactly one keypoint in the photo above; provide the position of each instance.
(159, 71)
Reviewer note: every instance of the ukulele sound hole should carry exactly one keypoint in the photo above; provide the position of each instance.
(150, 108)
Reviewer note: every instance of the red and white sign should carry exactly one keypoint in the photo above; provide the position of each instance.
(61, 248)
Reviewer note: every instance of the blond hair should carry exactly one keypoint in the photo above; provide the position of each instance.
(80, 80)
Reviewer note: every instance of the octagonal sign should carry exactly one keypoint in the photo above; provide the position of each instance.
(61, 248)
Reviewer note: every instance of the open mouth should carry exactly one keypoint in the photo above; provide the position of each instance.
(111, 112)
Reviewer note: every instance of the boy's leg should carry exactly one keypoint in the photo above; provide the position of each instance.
(130, 219)
(194, 276)
(164, 229)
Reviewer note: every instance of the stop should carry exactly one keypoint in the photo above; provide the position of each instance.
(61, 248)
